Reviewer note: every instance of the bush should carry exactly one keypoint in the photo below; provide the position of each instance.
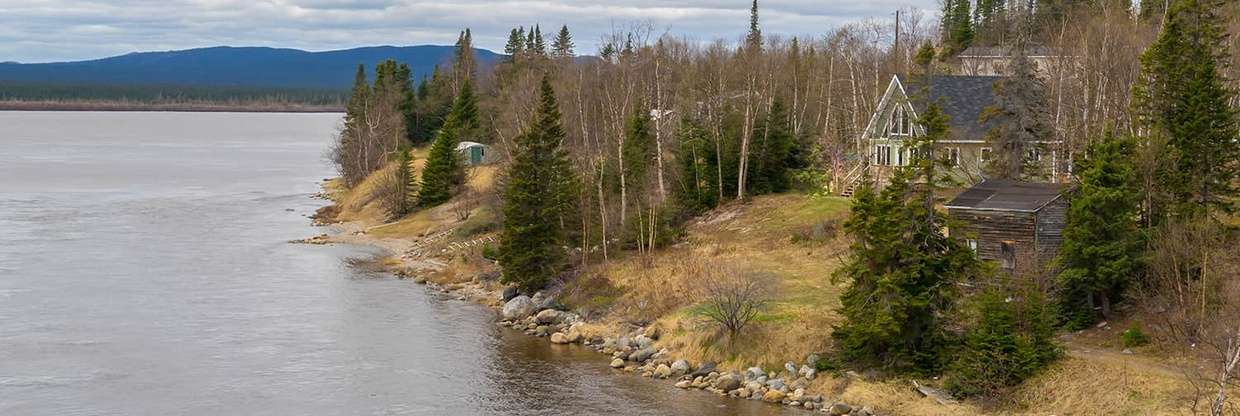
(1133, 337)
(821, 232)
(1010, 338)
(733, 299)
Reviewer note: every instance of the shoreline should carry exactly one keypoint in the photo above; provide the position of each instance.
(631, 349)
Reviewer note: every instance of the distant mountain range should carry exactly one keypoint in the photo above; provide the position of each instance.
(231, 67)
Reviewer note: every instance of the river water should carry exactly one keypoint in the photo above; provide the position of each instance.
(145, 270)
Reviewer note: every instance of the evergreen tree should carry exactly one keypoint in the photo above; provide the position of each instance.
(1153, 10)
(1102, 241)
(957, 26)
(529, 42)
(515, 46)
(1010, 336)
(903, 269)
(699, 189)
(441, 169)
(355, 109)
(465, 111)
(753, 41)
(540, 183)
(924, 57)
(464, 64)
(638, 151)
(540, 47)
(562, 46)
(1022, 121)
(778, 156)
(1185, 96)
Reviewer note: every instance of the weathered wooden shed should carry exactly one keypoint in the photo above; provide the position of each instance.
(1011, 222)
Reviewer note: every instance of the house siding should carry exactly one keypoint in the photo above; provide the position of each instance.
(991, 228)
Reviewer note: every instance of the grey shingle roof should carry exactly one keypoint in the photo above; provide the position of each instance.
(962, 98)
(1005, 195)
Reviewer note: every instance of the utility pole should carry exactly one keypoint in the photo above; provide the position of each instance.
(896, 45)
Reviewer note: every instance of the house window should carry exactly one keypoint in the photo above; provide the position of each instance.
(882, 155)
(984, 155)
(900, 125)
(953, 156)
(1007, 254)
(1034, 155)
(900, 157)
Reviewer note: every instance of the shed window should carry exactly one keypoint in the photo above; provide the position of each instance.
(972, 245)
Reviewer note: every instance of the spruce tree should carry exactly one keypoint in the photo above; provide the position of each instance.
(699, 190)
(1102, 240)
(638, 151)
(1185, 96)
(753, 41)
(540, 184)
(1009, 337)
(903, 269)
(515, 46)
(1022, 122)
(464, 64)
(957, 27)
(777, 152)
(562, 46)
(442, 166)
(540, 47)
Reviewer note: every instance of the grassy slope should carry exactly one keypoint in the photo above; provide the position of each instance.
(759, 235)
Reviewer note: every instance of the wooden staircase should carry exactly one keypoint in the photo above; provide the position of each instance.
(853, 180)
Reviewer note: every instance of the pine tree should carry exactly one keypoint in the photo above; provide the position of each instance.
(753, 41)
(562, 46)
(1102, 242)
(465, 111)
(1010, 336)
(903, 269)
(515, 46)
(1185, 96)
(1022, 122)
(777, 147)
(355, 110)
(540, 47)
(638, 151)
(540, 184)
(957, 27)
(464, 64)
(699, 189)
(442, 166)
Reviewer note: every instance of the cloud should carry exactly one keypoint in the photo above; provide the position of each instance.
(57, 30)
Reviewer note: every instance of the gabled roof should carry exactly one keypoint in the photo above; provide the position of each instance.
(1006, 195)
(961, 97)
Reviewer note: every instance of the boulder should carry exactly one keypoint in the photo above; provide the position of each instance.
(642, 355)
(573, 336)
(839, 409)
(509, 293)
(727, 382)
(865, 411)
(754, 386)
(704, 369)
(617, 363)
(812, 360)
(652, 332)
(542, 331)
(791, 367)
(797, 395)
(741, 392)
(559, 338)
(643, 342)
(807, 372)
(773, 396)
(663, 371)
(753, 373)
(518, 308)
(776, 384)
(684, 384)
(680, 367)
(548, 316)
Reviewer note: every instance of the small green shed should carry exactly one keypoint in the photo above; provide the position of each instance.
(474, 153)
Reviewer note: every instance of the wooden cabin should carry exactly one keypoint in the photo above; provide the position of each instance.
(1016, 224)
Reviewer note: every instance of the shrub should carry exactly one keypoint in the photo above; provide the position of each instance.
(1010, 338)
(1133, 337)
(733, 299)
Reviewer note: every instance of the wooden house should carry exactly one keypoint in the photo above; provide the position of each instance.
(1017, 224)
(886, 143)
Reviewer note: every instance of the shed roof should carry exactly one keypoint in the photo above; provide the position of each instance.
(465, 145)
(962, 98)
(1005, 195)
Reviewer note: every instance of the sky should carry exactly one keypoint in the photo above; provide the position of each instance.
(67, 30)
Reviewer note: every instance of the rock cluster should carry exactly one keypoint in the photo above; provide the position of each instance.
(639, 353)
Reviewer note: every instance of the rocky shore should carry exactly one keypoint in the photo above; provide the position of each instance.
(638, 351)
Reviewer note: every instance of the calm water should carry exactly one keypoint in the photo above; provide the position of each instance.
(144, 271)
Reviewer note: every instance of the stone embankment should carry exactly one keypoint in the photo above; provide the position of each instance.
(638, 352)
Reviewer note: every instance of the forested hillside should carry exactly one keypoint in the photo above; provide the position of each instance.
(621, 173)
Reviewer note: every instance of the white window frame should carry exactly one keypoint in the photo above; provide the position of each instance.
(953, 154)
(882, 155)
(984, 154)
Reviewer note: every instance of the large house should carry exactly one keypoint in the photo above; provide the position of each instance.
(994, 60)
(885, 143)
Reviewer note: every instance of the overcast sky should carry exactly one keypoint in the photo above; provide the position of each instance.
(60, 30)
